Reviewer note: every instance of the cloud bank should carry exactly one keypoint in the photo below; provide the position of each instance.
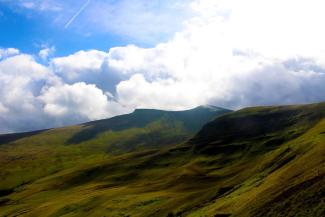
(229, 53)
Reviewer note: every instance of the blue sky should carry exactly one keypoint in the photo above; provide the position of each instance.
(65, 62)
(30, 29)
(30, 25)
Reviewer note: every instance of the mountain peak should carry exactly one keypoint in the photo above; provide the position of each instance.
(208, 107)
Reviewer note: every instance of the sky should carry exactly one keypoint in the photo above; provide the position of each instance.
(68, 62)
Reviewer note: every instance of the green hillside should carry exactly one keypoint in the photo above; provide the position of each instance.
(25, 157)
(261, 161)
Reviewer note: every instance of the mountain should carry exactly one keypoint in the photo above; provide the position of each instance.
(49, 151)
(161, 127)
(177, 125)
(260, 161)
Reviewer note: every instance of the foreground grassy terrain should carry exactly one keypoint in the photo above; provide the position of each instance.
(263, 161)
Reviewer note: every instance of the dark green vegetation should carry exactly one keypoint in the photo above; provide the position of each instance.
(263, 161)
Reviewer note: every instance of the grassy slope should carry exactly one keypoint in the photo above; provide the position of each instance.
(281, 170)
(26, 157)
(265, 161)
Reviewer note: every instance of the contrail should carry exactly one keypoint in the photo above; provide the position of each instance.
(77, 14)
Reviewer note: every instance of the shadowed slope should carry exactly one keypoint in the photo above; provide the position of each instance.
(191, 120)
(7, 138)
(277, 155)
(267, 125)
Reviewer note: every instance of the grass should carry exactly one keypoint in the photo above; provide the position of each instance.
(263, 161)
(26, 157)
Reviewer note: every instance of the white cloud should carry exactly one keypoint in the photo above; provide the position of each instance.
(46, 52)
(167, 94)
(231, 53)
(78, 102)
(8, 52)
(33, 97)
(130, 60)
(90, 66)
(21, 80)
(23, 66)
(74, 65)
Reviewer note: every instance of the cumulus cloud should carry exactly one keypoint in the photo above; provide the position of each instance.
(168, 94)
(75, 65)
(21, 79)
(78, 102)
(8, 52)
(33, 97)
(229, 53)
(46, 52)
(89, 66)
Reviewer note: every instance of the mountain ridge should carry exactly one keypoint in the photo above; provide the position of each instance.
(208, 107)
(121, 134)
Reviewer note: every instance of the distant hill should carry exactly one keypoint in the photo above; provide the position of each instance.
(48, 151)
(164, 126)
(260, 161)
(143, 127)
